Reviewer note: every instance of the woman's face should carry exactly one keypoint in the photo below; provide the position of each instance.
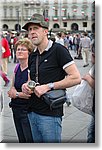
(21, 52)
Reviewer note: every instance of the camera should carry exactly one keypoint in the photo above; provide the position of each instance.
(31, 84)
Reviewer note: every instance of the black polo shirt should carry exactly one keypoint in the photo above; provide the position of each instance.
(51, 69)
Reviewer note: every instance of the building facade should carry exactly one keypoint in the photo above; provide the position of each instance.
(69, 15)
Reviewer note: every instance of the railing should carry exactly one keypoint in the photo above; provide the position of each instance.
(13, 18)
(65, 18)
(53, 18)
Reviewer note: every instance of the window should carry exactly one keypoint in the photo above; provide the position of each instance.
(11, 11)
(56, 13)
(46, 13)
(65, 12)
(84, 24)
(26, 13)
(64, 24)
(17, 12)
(5, 12)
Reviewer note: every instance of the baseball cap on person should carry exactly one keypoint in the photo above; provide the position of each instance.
(36, 19)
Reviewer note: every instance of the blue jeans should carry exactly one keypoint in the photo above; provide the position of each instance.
(45, 129)
(22, 125)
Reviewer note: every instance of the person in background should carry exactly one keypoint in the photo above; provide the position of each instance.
(5, 53)
(90, 77)
(60, 40)
(85, 43)
(66, 41)
(78, 49)
(20, 101)
(3, 75)
(16, 38)
(54, 72)
(70, 41)
(5, 78)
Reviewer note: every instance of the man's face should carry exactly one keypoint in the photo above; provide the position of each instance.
(37, 34)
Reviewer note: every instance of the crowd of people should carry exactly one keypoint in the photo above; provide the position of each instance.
(33, 118)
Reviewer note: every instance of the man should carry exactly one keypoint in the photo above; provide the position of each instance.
(57, 70)
(85, 45)
(59, 38)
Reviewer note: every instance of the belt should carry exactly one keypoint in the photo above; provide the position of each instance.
(85, 47)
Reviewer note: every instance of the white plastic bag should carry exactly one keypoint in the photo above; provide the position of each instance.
(82, 97)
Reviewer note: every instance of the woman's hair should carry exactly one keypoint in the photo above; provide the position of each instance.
(25, 42)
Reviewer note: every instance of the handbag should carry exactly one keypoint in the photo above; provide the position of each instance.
(82, 97)
(53, 98)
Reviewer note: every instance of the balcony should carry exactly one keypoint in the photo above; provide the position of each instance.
(55, 18)
(14, 18)
(66, 18)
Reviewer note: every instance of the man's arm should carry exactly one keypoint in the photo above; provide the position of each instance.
(72, 78)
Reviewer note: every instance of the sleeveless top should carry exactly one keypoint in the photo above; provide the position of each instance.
(21, 77)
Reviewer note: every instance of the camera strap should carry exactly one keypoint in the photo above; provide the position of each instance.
(37, 61)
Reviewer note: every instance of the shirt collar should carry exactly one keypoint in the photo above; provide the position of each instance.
(50, 43)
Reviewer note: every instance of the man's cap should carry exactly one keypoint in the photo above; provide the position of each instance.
(36, 19)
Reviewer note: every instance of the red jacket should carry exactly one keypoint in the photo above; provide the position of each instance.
(5, 44)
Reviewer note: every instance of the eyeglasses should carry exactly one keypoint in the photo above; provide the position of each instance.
(21, 49)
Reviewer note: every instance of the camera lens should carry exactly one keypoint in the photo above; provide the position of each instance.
(31, 84)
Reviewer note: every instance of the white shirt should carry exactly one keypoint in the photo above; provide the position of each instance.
(60, 41)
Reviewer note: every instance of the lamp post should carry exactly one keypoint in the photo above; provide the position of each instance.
(18, 20)
(60, 13)
(22, 13)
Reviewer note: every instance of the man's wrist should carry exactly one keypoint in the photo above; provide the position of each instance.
(51, 86)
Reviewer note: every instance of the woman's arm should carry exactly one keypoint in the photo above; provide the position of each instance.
(13, 93)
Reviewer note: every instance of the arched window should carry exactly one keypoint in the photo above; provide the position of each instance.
(74, 27)
(5, 26)
(17, 27)
(56, 25)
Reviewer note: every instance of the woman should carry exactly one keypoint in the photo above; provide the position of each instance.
(20, 101)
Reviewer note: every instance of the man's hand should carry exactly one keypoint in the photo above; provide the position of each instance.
(26, 89)
(41, 89)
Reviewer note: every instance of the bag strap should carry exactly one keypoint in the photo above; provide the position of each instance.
(37, 63)
(16, 68)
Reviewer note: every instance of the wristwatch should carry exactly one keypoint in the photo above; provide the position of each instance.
(17, 94)
(51, 85)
